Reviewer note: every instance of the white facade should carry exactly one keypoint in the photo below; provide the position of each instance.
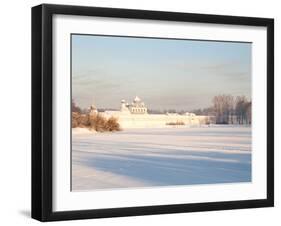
(135, 115)
(136, 107)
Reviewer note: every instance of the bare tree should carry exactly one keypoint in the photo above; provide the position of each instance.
(223, 106)
(249, 112)
(243, 110)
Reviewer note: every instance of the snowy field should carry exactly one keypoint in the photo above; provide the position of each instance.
(161, 157)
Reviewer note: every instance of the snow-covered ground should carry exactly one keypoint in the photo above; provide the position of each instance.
(161, 157)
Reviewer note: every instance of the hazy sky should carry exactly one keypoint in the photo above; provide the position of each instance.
(165, 74)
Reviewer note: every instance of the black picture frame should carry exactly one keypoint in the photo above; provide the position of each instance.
(42, 107)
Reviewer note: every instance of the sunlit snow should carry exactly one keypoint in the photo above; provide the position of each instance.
(161, 157)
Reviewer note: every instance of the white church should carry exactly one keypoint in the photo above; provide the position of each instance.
(135, 115)
(137, 107)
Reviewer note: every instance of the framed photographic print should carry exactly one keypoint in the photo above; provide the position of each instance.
(140, 112)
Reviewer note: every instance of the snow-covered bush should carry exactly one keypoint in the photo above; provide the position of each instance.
(95, 122)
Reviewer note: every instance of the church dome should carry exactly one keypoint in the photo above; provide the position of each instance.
(137, 99)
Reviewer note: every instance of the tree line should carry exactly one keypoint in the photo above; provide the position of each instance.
(228, 109)
(232, 110)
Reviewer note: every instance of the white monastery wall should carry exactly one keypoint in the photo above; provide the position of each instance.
(154, 120)
(135, 115)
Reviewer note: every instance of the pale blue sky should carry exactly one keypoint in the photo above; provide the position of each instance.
(164, 73)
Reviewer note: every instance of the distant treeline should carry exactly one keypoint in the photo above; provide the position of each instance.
(227, 109)
(76, 108)
(155, 111)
